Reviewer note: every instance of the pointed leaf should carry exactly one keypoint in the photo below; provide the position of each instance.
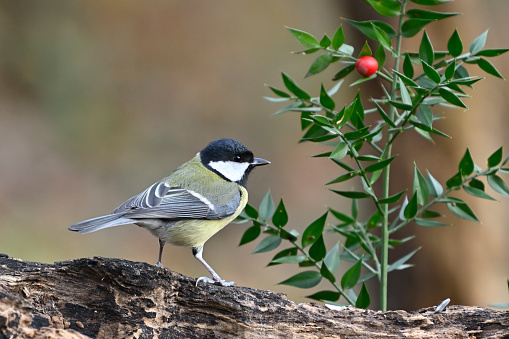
(412, 208)
(379, 165)
(251, 211)
(384, 115)
(430, 2)
(413, 26)
(325, 296)
(492, 52)
(401, 261)
(455, 46)
(431, 15)
(420, 187)
(495, 158)
(462, 210)
(392, 199)
(344, 72)
(478, 43)
(435, 189)
(294, 88)
(429, 223)
(476, 192)
(497, 184)
(317, 251)
(304, 38)
(367, 29)
(382, 37)
(325, 100)
(338, 39)
(431, 72)
(408, 69)
(267, 207)
(386, 7)
(280, 217)
(450, 97)
(289, 259)
(380, 56)
(306, 279)
(314, 230)
(352, 194)
(426, 49)
(365, 51)
(425, 115)
(268, 244)
(363, 300)
(320, 64)
(351, 277)
(454, 181)
(466, 166)
(488, 67)
(250, 234)
(450, 70)
(332, 259)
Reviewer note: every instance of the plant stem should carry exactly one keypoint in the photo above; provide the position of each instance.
(386, 178)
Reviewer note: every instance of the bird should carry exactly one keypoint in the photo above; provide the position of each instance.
(193, 203)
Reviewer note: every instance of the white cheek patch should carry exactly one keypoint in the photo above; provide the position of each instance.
(233, 171)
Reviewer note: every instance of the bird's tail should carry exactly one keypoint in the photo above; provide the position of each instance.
(95, 224)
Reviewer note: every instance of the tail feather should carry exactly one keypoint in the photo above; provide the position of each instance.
(99, 223)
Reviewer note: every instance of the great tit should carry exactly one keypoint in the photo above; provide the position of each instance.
(191, 204)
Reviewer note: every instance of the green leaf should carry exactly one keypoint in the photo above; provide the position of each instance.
(306, 279)
(352, 194)
(466, 165)
(340, 151)
(320, 63)
(294, 88)
(412, 208)
(431, 15)
(489, 53)
(478, 43)
(413, 26)
(425, 115)
(344, 72)
(385, 116)
(289, 252)
(420, 187)
(288, 259)
(406, 79)
(380, 56)
(279, 92)
(314, 230)
(365, 51)
(251, 212)
(450, 70)
(304, 38)
(250, 234)
(351, 277)
(317, 251)
(280, 217)
(400, 263)
(363, 79)
(379, 165)
(325, 42)
(268, 244)
(495, 158)
(454, 181)
(400, 105)
(497, 184)
(330, 296)
(405, 96)
(434, 187)
(476, 192)
(382, 37)
(488, 67)
(450, 97)
(392, 199)
(386, 7)
(462, 210)
(426, 52)
(431, 72)
(454, 45)
(363, 300)
(367, 29)
(267, 208)
(408, 69)
(332, 259)
(338, 39)
(429, 223)
(325, 100)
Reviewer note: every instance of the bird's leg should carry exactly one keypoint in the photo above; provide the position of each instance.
(198, 254)
(161, 246)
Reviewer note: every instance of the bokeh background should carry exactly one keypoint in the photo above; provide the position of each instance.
(98, 100)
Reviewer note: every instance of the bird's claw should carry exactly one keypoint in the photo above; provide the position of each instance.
(216, 282)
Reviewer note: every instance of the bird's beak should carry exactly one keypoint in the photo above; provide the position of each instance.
(260, 162)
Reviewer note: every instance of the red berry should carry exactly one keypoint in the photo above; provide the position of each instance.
(366, 66)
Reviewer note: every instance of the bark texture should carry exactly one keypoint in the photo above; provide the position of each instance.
(114, 298)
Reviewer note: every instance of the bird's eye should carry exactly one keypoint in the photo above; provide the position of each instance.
(237, 158)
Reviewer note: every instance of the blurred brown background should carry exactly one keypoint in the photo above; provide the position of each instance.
(98, 100)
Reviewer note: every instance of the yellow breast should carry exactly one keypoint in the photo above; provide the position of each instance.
(194, 233)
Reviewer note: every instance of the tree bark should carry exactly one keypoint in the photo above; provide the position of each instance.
(114, 298)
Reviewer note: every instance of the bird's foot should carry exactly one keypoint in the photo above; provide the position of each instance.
(159, 264)
(217, 282)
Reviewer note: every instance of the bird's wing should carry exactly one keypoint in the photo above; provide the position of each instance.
(174, 203)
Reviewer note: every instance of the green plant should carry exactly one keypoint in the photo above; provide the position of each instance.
(417, 85)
